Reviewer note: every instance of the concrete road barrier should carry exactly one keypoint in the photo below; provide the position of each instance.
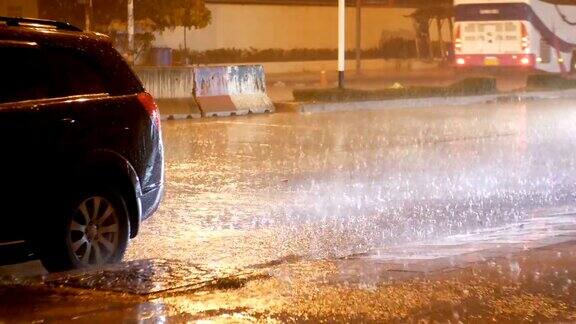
(178, 108)
(167, 82)
(231, 90)
(186, 92)
(172, 87)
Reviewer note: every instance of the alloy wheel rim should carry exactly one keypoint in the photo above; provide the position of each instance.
(93, 232)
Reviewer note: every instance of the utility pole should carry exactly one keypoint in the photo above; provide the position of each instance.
(341, 42)
(130, 25)
(440, 38)
(185, 42)
(88, 14)
(358, 36)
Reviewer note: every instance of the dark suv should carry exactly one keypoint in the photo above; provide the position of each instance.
(81, 157)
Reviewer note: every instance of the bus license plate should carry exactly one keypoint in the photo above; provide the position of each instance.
(491, 61)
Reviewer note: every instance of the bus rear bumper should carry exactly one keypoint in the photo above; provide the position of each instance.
(495, 60)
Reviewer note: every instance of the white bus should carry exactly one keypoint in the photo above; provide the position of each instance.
(533, 34)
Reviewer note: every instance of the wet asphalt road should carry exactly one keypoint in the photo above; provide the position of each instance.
(406, 214)
(250, 190)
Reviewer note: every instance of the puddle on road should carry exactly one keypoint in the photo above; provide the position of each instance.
(402, 262)
(503, 245)
(146, 277)
(524, 235)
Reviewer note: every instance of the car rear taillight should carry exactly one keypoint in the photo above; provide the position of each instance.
(150, 106)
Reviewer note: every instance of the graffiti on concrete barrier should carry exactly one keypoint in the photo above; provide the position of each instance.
(229, 80)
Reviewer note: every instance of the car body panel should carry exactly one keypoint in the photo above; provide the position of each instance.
(48, 146)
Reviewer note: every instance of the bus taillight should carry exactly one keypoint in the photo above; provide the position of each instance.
(458, 40)
(524, 39)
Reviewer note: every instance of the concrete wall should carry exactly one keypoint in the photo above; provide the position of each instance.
(25, 8)
(287, 27)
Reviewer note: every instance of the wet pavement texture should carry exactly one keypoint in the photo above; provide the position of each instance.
(250, 190)
(536, 285)
(446, 213)
(149, 277)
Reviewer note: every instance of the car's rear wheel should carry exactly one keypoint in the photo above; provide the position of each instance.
(94, 231)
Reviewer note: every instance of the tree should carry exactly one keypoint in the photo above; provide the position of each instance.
(422, 19)
(143, 37)
(110, 16)
(192, 13)
(164, 14)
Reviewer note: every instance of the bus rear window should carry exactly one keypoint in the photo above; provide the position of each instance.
(511, 27)
(470, 28)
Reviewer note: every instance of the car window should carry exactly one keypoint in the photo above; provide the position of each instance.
(74, 73)
(44, 73)
(24, 76)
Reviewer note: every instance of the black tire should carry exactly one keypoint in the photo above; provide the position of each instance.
(573, 63)
(91, 229)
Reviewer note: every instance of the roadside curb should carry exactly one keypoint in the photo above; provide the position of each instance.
(288, 106)
(178, 108)
(180, 116)
(314, 107)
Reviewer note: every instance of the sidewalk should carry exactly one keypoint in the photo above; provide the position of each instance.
(280, 86)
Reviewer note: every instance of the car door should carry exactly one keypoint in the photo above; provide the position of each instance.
(21, 84)
(33, 125)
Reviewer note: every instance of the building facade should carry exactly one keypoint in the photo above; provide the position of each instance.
(287, 27)
(19, 8)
